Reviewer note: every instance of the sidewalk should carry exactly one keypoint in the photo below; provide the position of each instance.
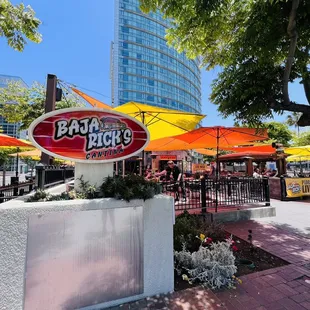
(283, 288)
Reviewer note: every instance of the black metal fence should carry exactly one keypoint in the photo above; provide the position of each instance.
(222, 193)
(48, 176)
(13, 191)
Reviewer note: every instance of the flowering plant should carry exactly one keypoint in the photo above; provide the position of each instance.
(232, 243)
(213, 266)
(204, 240)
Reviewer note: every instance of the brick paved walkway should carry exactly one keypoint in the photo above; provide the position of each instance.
(283, 288)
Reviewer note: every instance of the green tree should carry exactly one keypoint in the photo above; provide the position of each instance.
(277, 132)
(4, 158)
(30, 162)
(292, 120)
(302, 139)
(17, 24)
(24, 105)
(260, 45)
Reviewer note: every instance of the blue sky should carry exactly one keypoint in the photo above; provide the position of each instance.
(76, 47)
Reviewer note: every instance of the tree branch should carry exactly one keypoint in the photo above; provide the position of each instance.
(293, 36)
(292, 107)
(305, 79)
(306, 83)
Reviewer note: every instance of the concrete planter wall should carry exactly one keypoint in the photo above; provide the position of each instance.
(22, 248)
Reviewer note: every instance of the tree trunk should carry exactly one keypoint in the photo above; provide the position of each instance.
(293, 35)
(305, 76)
(306, 83)
(297, 131)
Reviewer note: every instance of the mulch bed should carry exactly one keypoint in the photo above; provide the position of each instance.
(261, 259)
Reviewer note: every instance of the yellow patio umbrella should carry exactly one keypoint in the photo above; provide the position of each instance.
(298, 150)
(11, 144)
(295, 158)
(36, 155)
(160, 122)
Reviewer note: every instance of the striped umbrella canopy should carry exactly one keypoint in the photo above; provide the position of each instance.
(8, 141)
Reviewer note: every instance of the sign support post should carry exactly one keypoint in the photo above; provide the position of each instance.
(94, 173)
(50, 104)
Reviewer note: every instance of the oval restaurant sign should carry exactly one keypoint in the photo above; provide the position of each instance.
(88, 135)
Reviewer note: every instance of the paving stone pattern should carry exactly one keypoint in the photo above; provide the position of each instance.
(283, 288)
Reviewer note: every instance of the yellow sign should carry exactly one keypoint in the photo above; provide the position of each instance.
(297, 187)
(200, 168)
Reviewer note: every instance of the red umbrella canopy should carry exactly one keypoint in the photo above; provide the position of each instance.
(7, 141)
(243, 155)
(207, 137)
(255, 148)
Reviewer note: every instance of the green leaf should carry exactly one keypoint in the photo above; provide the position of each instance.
(19, 104)
(17, 24)
(248, 39)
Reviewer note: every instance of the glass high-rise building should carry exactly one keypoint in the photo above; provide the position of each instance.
(145, 69)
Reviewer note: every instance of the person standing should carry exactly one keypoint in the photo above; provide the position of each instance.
(173, 172)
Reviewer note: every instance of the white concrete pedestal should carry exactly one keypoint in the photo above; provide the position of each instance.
(16, 230)
(93, 173)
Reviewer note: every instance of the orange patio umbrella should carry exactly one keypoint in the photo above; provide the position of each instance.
(11, 142)
(208, 137)
(222, 137)
(94, 102)
(206, 152)
(168, 144)
(8, 141)
(219, 137)
(254, 148)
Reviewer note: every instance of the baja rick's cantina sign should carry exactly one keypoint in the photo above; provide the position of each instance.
(88, 135)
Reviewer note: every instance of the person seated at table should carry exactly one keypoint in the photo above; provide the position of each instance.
(256, 174)
(161, 174)
(186, 177)
(266, 172)
(149, 174)
(213, 170)
(223, 173)
(273, 173)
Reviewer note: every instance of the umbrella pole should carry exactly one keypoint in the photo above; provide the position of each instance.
(217, 168)
(17, 160)
(143, 152)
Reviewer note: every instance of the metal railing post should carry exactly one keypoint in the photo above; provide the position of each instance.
(203, 196)
(40, 176)
(228, 187)
(283, 188)
(267, 191)
(64, 174)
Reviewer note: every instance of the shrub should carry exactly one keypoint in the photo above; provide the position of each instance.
(130, 187)
(127, 188)
(188, 226)
(185, 231)
(212, 266)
